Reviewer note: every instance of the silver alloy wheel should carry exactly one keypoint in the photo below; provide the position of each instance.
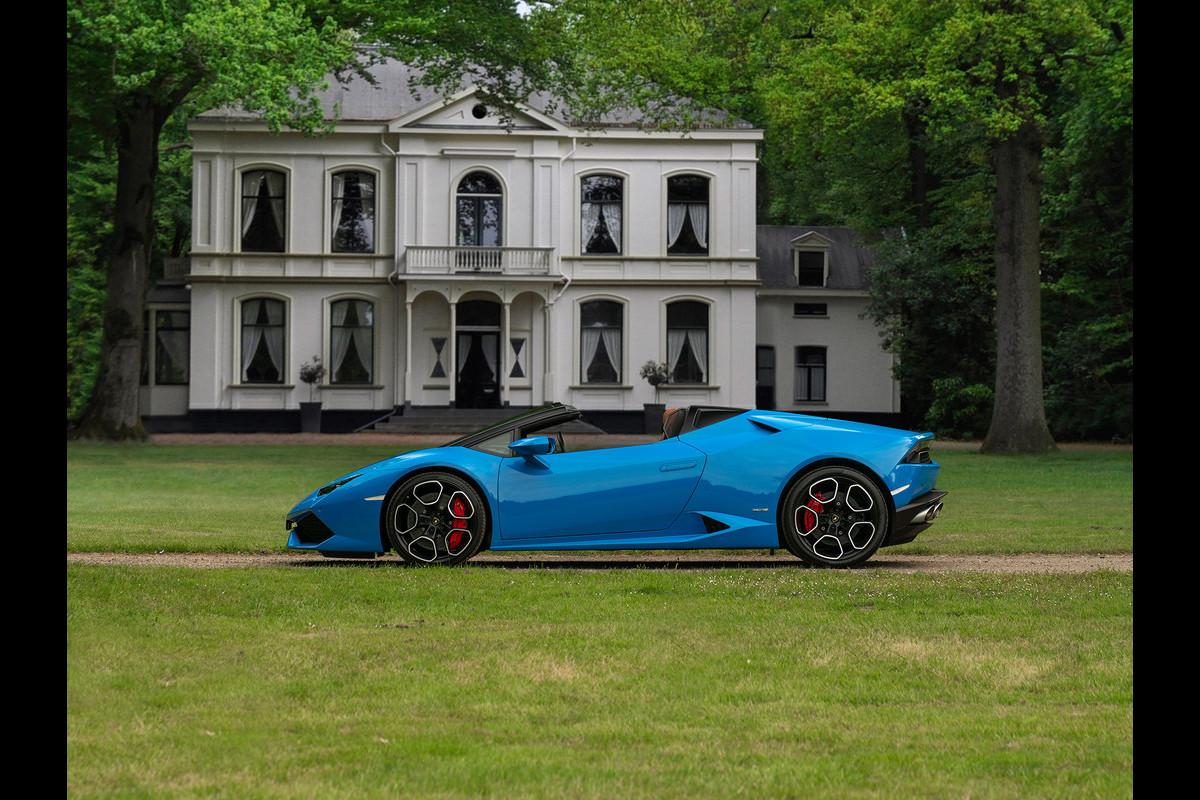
(436, 518)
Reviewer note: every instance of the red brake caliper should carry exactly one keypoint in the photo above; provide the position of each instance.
(810, 519)
(458, 509)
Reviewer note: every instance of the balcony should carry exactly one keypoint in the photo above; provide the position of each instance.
(421, 260)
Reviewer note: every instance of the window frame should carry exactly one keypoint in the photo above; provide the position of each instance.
(501, 196)
(705, 364)
(797, 269)
(619, 240)
(372, 367)
(335, 223)
(811, 369)
(686, 224)
(618, 359)
(285, 198)
(240, 364)
(150, 357)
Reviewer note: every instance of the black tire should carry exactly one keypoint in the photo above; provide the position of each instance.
(436, 518)
(833, 517)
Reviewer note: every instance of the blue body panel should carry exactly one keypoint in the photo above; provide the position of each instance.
(717, 486)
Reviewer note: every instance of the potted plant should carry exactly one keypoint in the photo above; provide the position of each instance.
(656, 374)
(310, 412)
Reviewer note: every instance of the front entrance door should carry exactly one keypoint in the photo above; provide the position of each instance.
(478, 349)
(479, 370)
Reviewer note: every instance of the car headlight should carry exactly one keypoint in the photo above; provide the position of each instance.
(327, 489)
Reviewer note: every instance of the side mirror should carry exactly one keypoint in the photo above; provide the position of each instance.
(532, 446)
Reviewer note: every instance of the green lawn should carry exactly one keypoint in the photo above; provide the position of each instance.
(377, 680)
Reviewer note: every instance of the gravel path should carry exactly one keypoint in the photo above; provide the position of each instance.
(1024, 563)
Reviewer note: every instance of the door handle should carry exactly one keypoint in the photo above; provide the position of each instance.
(672, 466)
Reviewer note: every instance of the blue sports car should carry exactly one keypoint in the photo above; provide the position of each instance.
(831, 492)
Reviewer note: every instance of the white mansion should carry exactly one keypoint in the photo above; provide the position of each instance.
(432, 254)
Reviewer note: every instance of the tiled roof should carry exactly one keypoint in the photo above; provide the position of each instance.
(849, 260)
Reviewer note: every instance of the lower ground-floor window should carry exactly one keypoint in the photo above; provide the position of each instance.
(600, 324)
(810, 373)
(167, 341)
(262, 340)
(351, 341)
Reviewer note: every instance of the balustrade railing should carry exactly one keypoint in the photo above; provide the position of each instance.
(420, 259)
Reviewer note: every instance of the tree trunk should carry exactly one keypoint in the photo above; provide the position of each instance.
(112, 411)
(1019, 415)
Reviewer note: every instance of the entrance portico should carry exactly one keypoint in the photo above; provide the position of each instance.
(477, 344)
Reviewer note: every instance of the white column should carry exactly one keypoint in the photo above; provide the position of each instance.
(453, 351)
(503, 352)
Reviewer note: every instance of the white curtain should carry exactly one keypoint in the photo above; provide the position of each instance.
(489, 352)
(675, 340)
(699, 214)
(590, 339)
(253, 334)
(339, 336)
(250, 184)
(589, 219)
(699, 341)
(697, 338)
(590, 344)
(275, 189)
(176, 345)
(339, 184)
(676, 214)
(612, 218)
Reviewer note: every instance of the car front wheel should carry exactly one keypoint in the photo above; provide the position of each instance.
(834, 517)
(436, 518)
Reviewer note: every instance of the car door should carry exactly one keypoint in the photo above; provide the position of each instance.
(621, 490)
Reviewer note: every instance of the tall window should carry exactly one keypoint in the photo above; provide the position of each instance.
(480, 206)
(171, 339)
(810, 373)
(262, 340)
(353, 212)
(687, 341)
(264, 211)
(687, 215)
(600, 324)
(600, 214)
(351, 341)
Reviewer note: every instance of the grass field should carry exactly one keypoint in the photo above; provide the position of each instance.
(381, 681)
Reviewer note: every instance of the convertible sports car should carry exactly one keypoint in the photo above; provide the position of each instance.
(831, 492)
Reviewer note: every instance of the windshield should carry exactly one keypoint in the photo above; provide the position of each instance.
(524, 424)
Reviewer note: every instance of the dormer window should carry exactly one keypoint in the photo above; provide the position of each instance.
(811, 268)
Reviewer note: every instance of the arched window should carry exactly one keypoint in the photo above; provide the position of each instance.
(353, 212)
(687, 215)
(687, 341)
(263, 340)
(351, 341)
(600, 326)
(480, 208)
(264, 211)
(600, 213)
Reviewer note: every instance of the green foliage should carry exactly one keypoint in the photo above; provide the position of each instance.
(959, 411)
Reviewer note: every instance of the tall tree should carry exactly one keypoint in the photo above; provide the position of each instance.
(898, 83)
(132, 64)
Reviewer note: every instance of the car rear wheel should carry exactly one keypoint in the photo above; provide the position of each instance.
(834, 517)
(436, 518)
